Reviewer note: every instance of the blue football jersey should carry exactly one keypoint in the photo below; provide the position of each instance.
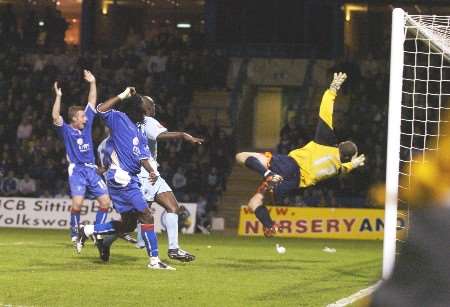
(105, 150)
(78, 143)
(129, 144)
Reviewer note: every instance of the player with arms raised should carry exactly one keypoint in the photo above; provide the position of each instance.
(318, 160)
(129, 152)
(77, 138)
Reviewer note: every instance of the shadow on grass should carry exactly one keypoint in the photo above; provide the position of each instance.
(75, 263)
(264, 264)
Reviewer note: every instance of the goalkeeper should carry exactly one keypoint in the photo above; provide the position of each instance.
(318, 160)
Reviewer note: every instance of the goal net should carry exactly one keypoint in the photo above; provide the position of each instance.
(419, 96)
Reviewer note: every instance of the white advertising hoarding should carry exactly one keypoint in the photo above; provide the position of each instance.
(54, 213)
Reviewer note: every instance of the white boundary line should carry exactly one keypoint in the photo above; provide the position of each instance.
(355, 296)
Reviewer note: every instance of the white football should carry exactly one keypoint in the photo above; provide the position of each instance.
(280, 249)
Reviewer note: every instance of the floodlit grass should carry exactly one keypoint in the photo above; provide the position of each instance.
(40, 268)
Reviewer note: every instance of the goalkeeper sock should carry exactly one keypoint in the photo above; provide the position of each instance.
(100, 217)
(74, 222)
(255, 165)
(108, 240)
(151, 242)
(172, 230)
(263, 215)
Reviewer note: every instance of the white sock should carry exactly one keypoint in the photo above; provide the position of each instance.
(89, 230)
(172, 230)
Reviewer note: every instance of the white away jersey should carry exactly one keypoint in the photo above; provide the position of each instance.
(152, 129)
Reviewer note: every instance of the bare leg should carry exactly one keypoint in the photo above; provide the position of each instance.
(256, 201)
(243, 156)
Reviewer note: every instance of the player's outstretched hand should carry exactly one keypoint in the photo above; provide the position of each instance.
(189, 138)
(152, 178)
(57, 89)
(128, 92)
(338, 80)
(88, 76)
(358, 161)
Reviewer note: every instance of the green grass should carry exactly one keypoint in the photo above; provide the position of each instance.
(39, 268)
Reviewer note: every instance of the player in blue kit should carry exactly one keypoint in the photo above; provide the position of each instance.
(77, 138)
(130, 151)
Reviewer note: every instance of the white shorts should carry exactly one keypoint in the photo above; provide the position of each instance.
(150, 191)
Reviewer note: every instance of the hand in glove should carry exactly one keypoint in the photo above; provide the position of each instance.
(338, 80)
(358, 161)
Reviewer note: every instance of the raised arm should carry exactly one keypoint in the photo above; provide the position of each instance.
(92, 98)
(324, 131)
(111, 102)
(179, 136)
(56, 110)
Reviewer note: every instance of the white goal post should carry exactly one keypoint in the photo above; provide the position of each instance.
(419, 93)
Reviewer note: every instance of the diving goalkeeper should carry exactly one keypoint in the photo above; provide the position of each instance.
(318, 160)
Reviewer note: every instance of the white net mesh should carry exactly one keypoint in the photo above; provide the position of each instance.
(426, 91)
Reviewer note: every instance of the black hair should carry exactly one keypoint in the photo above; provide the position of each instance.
(347, 150)
(133, 107)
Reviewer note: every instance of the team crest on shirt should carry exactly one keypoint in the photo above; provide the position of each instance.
(81, 146)
(136, 149)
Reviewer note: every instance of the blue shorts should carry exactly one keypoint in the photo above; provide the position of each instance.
(286, 167)
(84, 181)
(128, 198)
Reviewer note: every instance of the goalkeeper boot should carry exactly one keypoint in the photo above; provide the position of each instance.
(271, 231)
(180, 255)
(157, 264)
(82, 237)
(127, 237)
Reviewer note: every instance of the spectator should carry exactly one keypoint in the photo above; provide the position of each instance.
(203, 219)
(157, 63)
(179, 181)
(27, 186)
(10, 186)
(25, 129)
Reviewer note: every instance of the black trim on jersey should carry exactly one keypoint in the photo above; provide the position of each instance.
(324, 134)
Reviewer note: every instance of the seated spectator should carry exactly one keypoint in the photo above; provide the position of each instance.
(203, 219)
(10, 185)
(179, 181)
(27, 186)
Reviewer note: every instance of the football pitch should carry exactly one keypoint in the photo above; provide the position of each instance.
(40, 268)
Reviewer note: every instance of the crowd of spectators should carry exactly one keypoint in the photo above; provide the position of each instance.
(364, 122)
(47, 30)
(32, 160)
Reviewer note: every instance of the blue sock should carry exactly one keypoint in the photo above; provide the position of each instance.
(104, 228)
(139, 236)
(74, 222)
(151, 242)
(100, 217)
(254, 164)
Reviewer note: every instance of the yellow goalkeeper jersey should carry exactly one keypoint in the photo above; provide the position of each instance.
(319, 159)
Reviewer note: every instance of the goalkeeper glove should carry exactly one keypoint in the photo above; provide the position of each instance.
(338, 79)
(358, 161)
(128, 92)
